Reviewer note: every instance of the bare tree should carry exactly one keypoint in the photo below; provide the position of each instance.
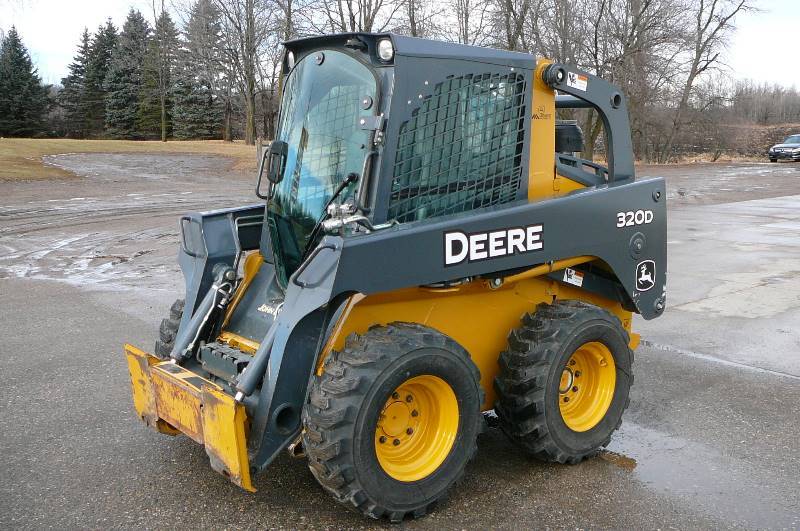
(246, 25)
(713, 21)
(341, 16)
(472, 18)
(512, 15)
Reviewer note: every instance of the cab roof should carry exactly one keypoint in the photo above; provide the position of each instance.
(423, 48)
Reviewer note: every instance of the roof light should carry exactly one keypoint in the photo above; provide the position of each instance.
(385, 50)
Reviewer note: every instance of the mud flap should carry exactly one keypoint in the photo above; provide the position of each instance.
(173, 400)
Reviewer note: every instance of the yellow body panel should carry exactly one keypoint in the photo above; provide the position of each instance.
(476, 316)
(543, 182)
(543, 138)
(174, 400)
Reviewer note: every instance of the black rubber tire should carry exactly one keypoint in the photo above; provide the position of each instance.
(343, 408)
(168, 330)
(530, 372)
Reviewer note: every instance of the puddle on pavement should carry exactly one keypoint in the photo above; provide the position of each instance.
(686, 469)
(622, 461)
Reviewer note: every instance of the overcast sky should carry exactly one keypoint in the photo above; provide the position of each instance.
(764, 47)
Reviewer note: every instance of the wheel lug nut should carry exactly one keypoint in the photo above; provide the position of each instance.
(414, 413)
(409, 431)
(575, 388)
(382, 439)
(396, 442)
(395, 396)
(409, 398)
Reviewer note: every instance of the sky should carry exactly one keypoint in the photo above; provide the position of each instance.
(764, 47)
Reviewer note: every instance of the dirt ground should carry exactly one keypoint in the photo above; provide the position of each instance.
(26, 159)
(88, 262)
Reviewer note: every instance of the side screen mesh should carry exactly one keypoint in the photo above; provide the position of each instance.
(462, 148)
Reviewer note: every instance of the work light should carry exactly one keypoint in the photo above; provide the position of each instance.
(385, 49)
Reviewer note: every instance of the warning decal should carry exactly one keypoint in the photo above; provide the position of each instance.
(577, 81)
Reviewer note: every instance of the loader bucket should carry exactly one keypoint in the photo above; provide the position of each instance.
(173, 400)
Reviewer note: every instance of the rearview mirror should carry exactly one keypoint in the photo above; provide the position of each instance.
(278, 149)
(274, 159)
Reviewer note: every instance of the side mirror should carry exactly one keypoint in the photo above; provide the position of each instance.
(274, 159)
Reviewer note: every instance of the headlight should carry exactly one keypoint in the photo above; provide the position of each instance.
(385, 49)
(290, 59)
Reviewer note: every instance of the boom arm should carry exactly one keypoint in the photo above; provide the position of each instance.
(587, 91)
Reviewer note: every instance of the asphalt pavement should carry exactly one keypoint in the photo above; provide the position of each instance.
(711, 438)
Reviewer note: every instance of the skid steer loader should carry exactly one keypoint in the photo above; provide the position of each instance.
(423, 252)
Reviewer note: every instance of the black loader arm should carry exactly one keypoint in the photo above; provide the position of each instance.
(584, 90)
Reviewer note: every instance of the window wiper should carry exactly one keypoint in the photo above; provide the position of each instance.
(351, 178)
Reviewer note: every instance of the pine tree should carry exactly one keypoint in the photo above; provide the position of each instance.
(155, 98)
(124, 80)
(148, 114)
(198, 111)
(72, 97)
(100, 52)
(23, 98)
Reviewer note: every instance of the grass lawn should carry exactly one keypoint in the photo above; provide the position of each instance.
(21, 158)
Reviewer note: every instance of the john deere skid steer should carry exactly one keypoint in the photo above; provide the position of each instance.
(428, 247)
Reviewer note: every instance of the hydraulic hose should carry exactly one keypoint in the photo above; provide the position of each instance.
(216, 298)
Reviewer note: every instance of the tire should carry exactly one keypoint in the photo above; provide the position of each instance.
(773, 160)
(531, 383)
(168, 330)
(343, 438)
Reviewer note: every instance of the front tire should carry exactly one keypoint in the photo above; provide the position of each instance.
(393, 420)
(168, 330)
(564, 381)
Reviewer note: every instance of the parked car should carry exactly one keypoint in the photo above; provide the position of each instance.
(789, 149)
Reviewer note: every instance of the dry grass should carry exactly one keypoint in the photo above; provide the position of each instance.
(21, 158)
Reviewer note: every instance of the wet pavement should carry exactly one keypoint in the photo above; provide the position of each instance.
(711, 438)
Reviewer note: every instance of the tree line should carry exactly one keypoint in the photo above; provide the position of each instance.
(209, 68)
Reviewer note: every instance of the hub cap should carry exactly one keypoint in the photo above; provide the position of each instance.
(416, 428)
(587, 386)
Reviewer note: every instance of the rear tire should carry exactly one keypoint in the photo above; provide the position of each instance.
(374, 446)
(168, 330)
(538, 378)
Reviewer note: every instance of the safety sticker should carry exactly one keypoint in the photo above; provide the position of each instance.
(577, 81)
(645, 275)
(573, 277)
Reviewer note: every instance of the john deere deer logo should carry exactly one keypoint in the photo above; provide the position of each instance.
(645, 275)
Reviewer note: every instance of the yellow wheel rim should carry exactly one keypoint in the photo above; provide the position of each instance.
(587, 386)
(416, 428)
